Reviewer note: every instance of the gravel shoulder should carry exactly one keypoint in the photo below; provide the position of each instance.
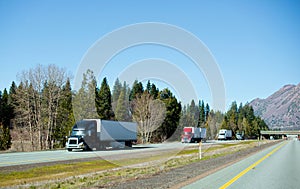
(179, 177)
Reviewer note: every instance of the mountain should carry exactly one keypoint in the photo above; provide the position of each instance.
(281, 109)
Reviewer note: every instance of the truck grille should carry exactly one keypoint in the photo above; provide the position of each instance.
(72, 141)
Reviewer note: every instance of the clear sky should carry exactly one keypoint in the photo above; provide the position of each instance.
(255, 43)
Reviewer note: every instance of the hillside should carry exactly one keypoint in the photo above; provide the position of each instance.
(281, 109)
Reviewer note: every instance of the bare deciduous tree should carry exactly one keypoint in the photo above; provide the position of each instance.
(149, 114)
(37, 101)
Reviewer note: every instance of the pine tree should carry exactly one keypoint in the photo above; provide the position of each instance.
(12, 92)
(201, 121)
(207, 110)
(246, 127)
(171, 121)
(137, 90)
(232, 116)
(6, 114)
(121, 110)
(225, 123)
(193, 114)
(116, 90)
(154, 91)
(241, 115)
(84, 105)
(65, 115)
(148, 87)
(103, 101)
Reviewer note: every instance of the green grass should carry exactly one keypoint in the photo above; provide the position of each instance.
(52, 172)
(63, 171)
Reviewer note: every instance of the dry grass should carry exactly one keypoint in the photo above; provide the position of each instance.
(103, 173)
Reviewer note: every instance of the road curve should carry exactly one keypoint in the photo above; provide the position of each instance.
(274, 167)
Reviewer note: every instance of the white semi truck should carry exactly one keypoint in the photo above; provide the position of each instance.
(94, 134)
(225, 134)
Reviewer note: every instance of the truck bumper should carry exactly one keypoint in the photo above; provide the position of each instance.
(185, 140)
(70, 147)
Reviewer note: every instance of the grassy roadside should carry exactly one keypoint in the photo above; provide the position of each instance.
(104, 173)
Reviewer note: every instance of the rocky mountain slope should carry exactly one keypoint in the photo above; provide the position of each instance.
(281, 109)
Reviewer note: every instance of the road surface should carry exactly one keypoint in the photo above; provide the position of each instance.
(274, 167)
(22, 158)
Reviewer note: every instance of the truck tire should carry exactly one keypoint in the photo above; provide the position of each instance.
(69, 149)
(87, 148)
(128, 144)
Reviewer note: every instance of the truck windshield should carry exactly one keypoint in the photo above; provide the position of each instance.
(76, 132)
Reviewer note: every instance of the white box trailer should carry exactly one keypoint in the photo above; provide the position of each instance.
(225, 134)
(193, 134)
(89, 134)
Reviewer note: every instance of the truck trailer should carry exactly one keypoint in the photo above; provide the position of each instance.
(94, 134)
(193, 134)
(225, 134)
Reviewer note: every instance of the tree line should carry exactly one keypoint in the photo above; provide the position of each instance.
(41, 108)
(157, 112)
(243, 120)
(40, 111)
(240, 119)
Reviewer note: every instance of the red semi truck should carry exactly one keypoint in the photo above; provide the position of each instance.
(193, 134)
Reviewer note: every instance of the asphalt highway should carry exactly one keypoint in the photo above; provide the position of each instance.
(21, 158)
(274, 167)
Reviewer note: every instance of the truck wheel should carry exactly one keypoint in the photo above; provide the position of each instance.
(87, 148)
(69, 149)
(128, 144)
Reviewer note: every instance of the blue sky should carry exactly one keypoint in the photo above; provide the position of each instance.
(255, 43)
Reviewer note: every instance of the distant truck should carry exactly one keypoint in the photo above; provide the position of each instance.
(239, 136)
(94, 134)
(193, 134)
(225, 134)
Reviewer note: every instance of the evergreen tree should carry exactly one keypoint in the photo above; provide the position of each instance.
(103, 101)
(232, 116)
(241, 115)
(148, 87)
(84, 104)
(207, 110)
(214, 123)
(225, 123)
(12, 92)
(243, 120)
(246, 127)
(65, 116)
(137, 90)
(193, 114)
(171, 121)
(121, 110)
(116, 90)
(154, 91)
(6, 114)
(201, 121)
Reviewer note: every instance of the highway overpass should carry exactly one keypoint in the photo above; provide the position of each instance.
(279, 133)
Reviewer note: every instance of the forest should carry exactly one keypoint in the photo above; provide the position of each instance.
(39, 112)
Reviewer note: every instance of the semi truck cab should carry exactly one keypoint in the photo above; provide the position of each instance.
(90, 134)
